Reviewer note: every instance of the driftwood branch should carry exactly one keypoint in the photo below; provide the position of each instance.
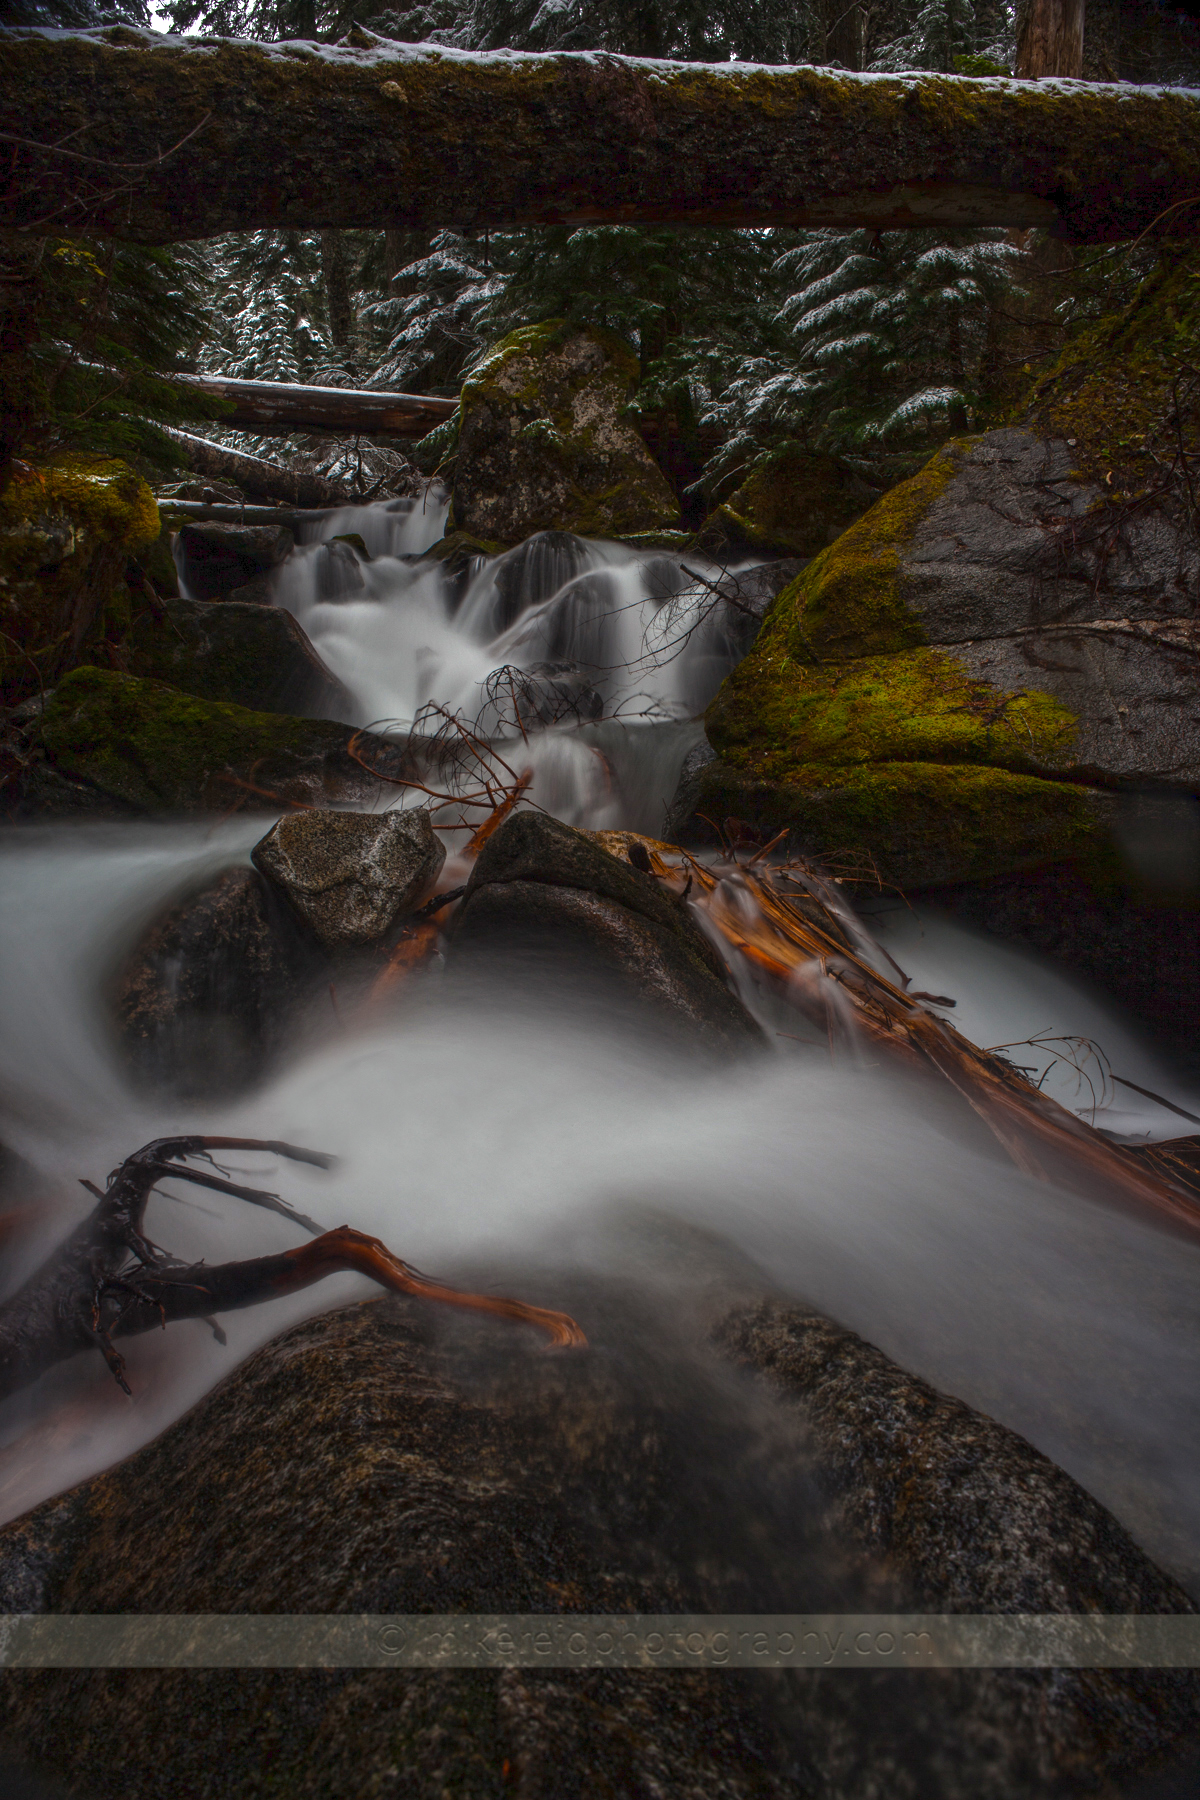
(108, 1281)
(402, 137)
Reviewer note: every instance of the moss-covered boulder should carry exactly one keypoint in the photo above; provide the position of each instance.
(544, 443)
(253, 656)
(67, 532)
(153, 749)
(798, 501)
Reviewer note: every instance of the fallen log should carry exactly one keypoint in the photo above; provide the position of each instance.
(108, 1281)
(798, 937)
(278, 406)
(258, 477)
(155, 139)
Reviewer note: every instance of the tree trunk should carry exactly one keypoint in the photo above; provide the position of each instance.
(843, 33)
(159, 139)
(1050, 39)
(337, 288)
(278, 406)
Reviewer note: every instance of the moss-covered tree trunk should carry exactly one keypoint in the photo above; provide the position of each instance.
(397, 136)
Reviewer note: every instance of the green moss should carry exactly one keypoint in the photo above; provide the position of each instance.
(916, 706)
(159, 749)
(917, 824)
(66, 533)
(796, 501)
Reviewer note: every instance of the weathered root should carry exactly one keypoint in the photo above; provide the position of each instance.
(108, 1281)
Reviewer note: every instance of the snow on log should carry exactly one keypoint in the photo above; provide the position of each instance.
(157, 138)
(277, 406)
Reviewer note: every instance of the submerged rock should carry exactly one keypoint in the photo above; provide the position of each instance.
(148, 748)
(216, 559)
(351, 876)
(544, 444)
(253, 656)
(542, 891)
(205, 998)
(532, 572)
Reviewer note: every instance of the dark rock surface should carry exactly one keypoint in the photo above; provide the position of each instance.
(540, 887)
(533, 571)
(215, 559)
(205, 997)
(350, 876)
(544, 444)
(250, 655)
(388, 1457)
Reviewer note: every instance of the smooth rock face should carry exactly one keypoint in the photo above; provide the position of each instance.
(554, 897)
(350, 876)
(392, 1458)
(204, 998)
(218, 558)
(543, 444)
(250, 655)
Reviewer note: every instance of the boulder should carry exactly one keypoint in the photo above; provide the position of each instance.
(204, 999)
(544, 445)
(253, 656)
(543, 890)
(217, 559)
(533, 572)
(390, 1459)
(67, 532)
(957, 686)
(351, 876)
(797, 501)
(147, 748)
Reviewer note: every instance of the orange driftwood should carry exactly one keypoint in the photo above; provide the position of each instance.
(798, 936)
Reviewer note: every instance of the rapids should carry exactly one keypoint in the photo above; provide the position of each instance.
(530, 1132)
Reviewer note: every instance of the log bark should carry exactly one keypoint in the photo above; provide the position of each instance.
(278, 406)
(259, 478)
(157, 139)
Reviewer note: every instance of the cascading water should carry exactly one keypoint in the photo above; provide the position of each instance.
(477, 1127)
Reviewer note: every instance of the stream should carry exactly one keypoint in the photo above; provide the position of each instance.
(527, 1130)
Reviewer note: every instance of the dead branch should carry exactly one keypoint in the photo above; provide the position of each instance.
(107, 1280)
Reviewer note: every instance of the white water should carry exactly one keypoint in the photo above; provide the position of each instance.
(484, 1130)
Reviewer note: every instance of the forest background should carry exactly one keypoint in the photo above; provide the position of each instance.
(870, 347)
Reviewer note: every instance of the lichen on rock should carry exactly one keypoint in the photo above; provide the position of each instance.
(543, 443)
(797, 501)
(350, 876)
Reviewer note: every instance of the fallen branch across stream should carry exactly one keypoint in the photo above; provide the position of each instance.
(804, 943)
(107, 1280)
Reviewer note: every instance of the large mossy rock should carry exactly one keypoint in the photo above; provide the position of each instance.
(150, 748)
(544, 445)
(67, 532)
(249, 655)
(961, 683)
(388, 1458)
(797, 502)
(550, 901)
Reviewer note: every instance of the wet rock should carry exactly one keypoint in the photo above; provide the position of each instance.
(206, 997)
(533, 572)
(542, 889)
(215, 559)
(351, 876)
(973, 1519)
(253, 656)
(338, 571)
(544, 444)
(148, 748)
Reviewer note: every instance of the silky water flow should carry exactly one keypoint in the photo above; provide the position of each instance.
(527, 1133)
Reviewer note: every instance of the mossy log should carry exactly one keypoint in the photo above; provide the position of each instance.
(158, 138)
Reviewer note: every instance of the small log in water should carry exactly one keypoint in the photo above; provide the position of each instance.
(108, 1281)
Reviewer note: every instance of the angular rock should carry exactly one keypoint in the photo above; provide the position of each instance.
(540, 886)
(149, 748)
(253, 656)
(215, 559)
(543, 444)
(351, 876)
(204, 999)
